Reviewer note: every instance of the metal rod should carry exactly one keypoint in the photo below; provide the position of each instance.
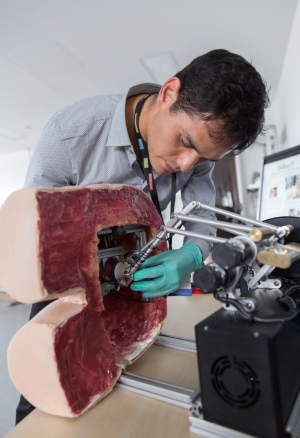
(265, 270)
(217, 224)
(239, 217)
(196, 235)
(285, 247)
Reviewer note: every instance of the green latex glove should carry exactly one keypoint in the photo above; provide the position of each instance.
(164, 273)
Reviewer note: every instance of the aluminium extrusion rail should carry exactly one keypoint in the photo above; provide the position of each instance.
(206, 429)
(191, 399)
(178, 396)
(170, 393)
(163, 391)
(176, 342)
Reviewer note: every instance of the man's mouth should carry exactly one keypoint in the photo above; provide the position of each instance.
(169, 168)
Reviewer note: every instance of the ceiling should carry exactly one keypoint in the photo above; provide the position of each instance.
(53, 52)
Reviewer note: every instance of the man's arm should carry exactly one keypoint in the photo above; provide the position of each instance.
(50, 165)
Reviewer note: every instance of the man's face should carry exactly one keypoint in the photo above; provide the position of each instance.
(178, 142)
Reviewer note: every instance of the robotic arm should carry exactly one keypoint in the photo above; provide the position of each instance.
(256, 249)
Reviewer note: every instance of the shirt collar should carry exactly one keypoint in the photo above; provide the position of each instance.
(118, 135)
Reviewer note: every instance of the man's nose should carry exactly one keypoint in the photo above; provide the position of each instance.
(187, 160)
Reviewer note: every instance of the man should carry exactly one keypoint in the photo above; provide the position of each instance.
(212, 107)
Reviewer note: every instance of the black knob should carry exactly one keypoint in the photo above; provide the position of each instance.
(227, 255)
(208, 278)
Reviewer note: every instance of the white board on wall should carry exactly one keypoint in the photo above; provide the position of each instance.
(13, 168)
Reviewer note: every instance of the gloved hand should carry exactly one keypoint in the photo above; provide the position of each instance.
(164, 273)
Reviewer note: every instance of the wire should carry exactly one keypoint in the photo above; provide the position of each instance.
(277, 318)
(287, 300)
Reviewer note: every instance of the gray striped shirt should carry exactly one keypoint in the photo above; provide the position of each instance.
(87, 143)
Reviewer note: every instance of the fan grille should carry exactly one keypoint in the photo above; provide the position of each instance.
(235, 381)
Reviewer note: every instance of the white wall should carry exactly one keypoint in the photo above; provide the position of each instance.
(13, 167)
(284, 113)
(287, 102)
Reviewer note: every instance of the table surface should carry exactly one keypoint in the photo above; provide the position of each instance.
(123, 413)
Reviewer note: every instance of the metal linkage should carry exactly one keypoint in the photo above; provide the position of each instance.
(279, 230)
(219, 224)
(263, 272)
(196, 235)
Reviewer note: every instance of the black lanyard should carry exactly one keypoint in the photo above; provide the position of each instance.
(147, 167)
(144, 155)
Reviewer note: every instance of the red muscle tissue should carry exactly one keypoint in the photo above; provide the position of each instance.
(70, 355)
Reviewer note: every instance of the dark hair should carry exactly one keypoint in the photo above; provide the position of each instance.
(222, 86)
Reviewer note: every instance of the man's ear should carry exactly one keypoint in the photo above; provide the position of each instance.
(169, 91)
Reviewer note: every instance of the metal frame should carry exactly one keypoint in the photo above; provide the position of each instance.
(191, 399)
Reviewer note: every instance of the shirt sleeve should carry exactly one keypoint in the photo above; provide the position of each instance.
(50, 165)
(200, 188)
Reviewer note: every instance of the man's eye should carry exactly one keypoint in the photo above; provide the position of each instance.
(185, 144)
